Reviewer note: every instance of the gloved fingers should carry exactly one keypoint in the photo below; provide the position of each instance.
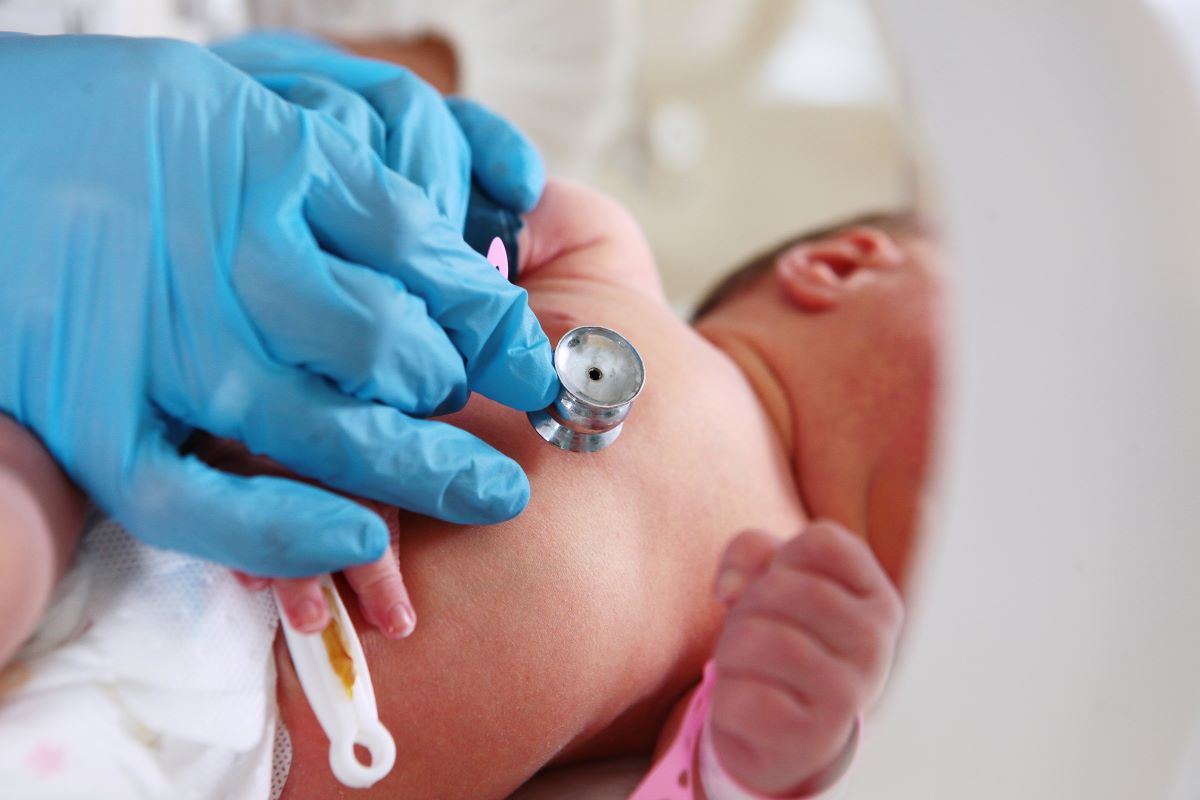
(503, 161)
(289, 51)
(403, 120)
(262, 525)
(437, 143)
(424, 142)
(382, 595)
(317, 93)
(509, 358)
(264, 48)
(412, 364)
(303, 602)
(421, 138)
(372, 450)
(368, 215)
(357, 327)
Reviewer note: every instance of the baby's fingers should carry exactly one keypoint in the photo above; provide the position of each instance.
(827, 549)
(747, 556)
(301, 598)
(382, 596)
(303, 603)
(250, 582)
(828, 566)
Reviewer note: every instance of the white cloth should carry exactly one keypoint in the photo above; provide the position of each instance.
(151, 676)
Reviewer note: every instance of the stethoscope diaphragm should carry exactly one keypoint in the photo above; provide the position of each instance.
(601, 374)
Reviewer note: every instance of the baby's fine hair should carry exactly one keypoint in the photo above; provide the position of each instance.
(897, 223)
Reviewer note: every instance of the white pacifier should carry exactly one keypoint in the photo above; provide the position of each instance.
(333, 672)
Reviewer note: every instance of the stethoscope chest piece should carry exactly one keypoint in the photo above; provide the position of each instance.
(601, 374)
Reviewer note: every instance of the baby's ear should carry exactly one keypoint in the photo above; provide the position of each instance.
(819, 275)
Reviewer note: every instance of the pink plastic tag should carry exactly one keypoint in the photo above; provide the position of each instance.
(497, 256)
(672, 777)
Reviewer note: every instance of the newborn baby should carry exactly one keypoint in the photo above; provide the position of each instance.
(573, 633)
(804, 390)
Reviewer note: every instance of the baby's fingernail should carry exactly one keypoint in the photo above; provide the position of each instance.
(307, 615)
(730, 584)
(401, 620)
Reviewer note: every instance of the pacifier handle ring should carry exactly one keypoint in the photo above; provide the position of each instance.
(344, 762)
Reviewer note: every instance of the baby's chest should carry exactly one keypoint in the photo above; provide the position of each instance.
(695, 454)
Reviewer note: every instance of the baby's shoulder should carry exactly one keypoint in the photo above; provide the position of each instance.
(576, 232)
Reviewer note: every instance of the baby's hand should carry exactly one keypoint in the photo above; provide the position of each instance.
(807, 646)
(381, 594)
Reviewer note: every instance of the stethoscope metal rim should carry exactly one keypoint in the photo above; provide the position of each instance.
(580, 421)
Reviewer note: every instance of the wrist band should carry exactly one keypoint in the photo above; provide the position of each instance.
(673, 776)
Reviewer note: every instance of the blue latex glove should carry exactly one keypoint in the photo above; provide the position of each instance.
(180, 249)
(438, 144)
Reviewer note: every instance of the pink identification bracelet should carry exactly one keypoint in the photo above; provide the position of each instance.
(673, 777)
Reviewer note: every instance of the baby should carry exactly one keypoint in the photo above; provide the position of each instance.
(555, 651)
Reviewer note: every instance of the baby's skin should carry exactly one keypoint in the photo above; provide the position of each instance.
(554, 651)
(41, 517)
(571, 633)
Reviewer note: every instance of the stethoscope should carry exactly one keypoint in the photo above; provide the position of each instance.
(601, 374)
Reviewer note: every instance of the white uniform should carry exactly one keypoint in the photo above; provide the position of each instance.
(562, 72)
(194, 20)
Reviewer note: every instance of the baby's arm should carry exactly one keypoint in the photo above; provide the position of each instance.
(807, 646)
(806, 650)
(41, 517)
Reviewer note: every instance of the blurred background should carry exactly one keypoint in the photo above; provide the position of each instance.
(724, 125)
(748, 123)
(751, 122)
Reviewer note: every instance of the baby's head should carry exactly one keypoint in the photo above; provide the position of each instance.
(838, 330)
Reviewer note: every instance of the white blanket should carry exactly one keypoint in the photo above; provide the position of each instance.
(151, 676)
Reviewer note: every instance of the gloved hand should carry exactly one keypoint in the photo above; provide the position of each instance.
(437, 143)
(434, 142)
(180, 248)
